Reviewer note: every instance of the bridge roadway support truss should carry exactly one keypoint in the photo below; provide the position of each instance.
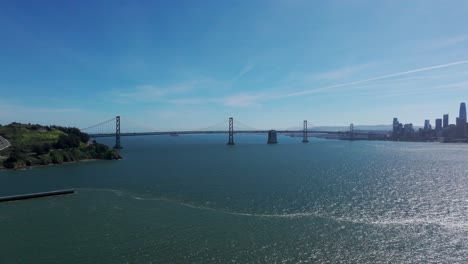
(231, 131)
(305, 139)
(117, 133)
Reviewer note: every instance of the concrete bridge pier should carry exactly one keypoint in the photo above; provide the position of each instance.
(272, 137)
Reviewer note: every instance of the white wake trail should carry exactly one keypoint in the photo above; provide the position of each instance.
(379, 222)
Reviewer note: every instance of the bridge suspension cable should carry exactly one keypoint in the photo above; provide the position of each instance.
(242, 126)
(129, 126)
(218, 126)
(97, 125)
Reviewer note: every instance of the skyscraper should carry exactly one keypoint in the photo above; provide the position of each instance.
(395, 126)
(461, 128)
(446, 120)
(461, 121)
(462, 114)
(427, 124)
(438, 124)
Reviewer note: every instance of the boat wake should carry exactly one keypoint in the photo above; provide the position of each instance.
(449, 224)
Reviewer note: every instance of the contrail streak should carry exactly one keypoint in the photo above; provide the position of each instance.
(377, 78)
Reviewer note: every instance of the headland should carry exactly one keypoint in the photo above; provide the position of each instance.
(27, 145)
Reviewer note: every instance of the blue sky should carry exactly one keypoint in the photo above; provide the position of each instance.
(271, 64)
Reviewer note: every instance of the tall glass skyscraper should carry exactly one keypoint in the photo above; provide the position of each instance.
(461, 122)
(462, 114)
(438, 124)
(427, 124)
(446, 120)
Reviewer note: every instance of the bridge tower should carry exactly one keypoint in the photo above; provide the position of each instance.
(304, 136)
(231, 131)
(117, 133)
(351, 131)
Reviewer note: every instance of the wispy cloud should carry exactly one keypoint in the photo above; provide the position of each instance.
(341, 72)
(189, 92)
(256, 99)
(18, 112)
(452, 86)
(6, 108)
(187, 101)
(244, 100)
(446, 42)
(143, 93)
(321, 89)
(151, 93)
(247, 68)
(409, 89)
(180, 94)
(252, 99)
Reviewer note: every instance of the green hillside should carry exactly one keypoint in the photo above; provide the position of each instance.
(28, 135)
(42, 145)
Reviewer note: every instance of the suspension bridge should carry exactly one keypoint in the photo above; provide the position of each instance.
(112, 128)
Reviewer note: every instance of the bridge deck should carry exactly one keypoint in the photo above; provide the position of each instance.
(220, 132)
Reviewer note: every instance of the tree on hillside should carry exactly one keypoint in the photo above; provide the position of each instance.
(67, 141)
(18, 152)
(75, 131)
(41, 149)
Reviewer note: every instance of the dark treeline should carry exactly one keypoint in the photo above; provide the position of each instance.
(72, 139)
(20, 158)
(83, 137)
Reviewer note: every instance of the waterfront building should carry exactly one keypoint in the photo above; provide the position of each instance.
(446, 121)
(427, 124)
(438, 124)
(395, 123)
(408, 131)
(450, 133)
(461, 128)
(397, 128)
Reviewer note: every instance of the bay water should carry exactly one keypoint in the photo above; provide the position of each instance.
(193, 199)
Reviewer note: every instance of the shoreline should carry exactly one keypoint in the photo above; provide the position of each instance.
(460, 141)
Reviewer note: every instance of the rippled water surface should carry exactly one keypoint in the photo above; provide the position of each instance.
(192, 199)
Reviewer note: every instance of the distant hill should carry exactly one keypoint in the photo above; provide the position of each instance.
(385, 128)
(382, 128)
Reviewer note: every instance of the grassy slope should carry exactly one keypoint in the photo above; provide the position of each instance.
(26, 136)
(22, 135)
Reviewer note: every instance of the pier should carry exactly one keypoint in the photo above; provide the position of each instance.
(35, 195)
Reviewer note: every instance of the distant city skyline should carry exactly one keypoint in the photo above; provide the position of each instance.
(444, 119)
(270, 64)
